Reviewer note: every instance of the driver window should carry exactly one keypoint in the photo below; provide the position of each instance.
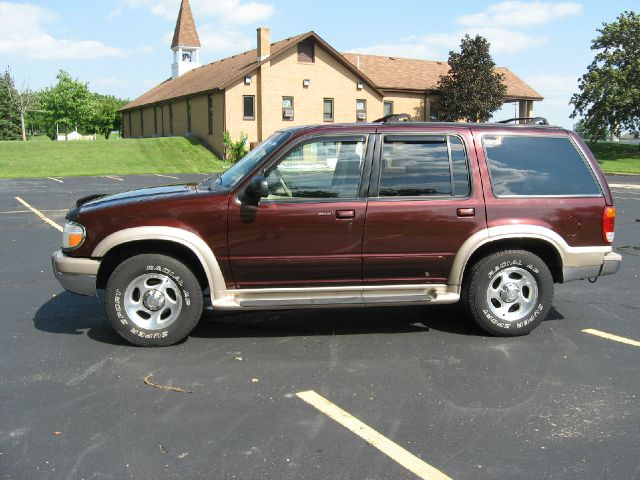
(318, 169)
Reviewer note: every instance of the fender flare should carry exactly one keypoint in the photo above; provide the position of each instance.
(570, 256)
(188, 239)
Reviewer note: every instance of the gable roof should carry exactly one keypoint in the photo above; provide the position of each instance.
(185, 34)
(219, 75)
(380, 73)
(393, 73)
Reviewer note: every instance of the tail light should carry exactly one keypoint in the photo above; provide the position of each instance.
(608, 224)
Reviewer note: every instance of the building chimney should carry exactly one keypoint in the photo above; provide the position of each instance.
(264, 43)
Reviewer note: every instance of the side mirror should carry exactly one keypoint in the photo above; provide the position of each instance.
(258, 188)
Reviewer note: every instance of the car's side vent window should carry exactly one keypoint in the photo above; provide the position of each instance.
(522, 165)
(424, 166)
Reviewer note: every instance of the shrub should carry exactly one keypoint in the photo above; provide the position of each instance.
(234, 151)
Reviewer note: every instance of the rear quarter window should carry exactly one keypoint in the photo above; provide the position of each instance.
(537, 166)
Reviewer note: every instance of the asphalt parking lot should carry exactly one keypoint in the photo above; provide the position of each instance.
(559, 403)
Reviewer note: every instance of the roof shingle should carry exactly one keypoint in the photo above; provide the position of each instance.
(393, 73)
(185, 34)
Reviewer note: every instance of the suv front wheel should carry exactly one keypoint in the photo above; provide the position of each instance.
(153, 300)
(508, 293)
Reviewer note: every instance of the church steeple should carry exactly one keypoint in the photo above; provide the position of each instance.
(186, 43)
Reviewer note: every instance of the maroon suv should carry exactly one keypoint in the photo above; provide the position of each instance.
(353, 215)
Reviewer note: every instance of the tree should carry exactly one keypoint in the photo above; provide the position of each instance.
(472, 90)
(67, 103)
(104, 115)
(9, 117)
(609, 97)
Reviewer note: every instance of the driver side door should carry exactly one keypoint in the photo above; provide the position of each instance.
(308, 231)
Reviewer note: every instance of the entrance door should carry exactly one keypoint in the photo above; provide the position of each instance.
(308, 231)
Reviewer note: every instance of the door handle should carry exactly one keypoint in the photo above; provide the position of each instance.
(466, 212)
(345, 214)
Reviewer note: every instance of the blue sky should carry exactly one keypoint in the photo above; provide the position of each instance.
(121, 47)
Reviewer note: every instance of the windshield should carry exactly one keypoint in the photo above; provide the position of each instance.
(241, 169)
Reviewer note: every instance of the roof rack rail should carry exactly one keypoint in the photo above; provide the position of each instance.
(398, 117)
(527, 120)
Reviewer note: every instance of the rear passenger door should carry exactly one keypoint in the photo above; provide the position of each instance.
(425, 200)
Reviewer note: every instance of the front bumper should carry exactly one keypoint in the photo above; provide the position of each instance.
(76, 275)
(610, 265)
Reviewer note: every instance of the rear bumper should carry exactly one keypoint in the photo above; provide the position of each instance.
(76, 275)
(609, 265)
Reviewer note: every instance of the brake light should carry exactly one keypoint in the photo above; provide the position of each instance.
(608, 224)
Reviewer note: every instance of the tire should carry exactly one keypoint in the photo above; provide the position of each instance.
(508, 293)
(153, 300)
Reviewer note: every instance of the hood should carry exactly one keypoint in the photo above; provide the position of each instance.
(134, 196)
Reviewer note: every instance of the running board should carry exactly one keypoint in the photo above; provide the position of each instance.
(275, 298)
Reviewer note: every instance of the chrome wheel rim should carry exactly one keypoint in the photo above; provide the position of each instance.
(153, 301)
(512, 294)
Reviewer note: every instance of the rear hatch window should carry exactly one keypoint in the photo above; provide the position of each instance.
(537, 166)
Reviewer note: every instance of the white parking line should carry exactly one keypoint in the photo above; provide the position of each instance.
(40, 214)
(29, 211)
(166, 176)
(624, 185)
(55, 179)
(610, 336)
(393, 450)
(113, 178)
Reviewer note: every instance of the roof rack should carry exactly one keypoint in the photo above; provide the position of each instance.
(527, 120)
(398, 117)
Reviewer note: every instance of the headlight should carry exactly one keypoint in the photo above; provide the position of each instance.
(72, 236)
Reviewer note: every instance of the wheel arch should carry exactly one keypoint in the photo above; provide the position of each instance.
(541, 241)
(182, 244)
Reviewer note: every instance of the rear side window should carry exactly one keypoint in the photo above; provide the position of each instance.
(537, 166)
(416, 166)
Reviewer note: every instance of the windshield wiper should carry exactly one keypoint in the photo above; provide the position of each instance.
(207, 182)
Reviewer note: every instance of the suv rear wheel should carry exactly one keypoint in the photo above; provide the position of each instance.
(153, 300)
(508, 293)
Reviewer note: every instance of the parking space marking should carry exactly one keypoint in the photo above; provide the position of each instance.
(624, 185)
(391, 449)
(626, 198)
(113, 178)
(610, 336)
(55, 179)
(40, 214)
(166, 176)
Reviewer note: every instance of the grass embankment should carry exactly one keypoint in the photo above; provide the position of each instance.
(617, 157)
(40, 158)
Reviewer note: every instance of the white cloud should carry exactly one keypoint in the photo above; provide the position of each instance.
(512, 14)
(554, 85)
(22, 33)
(235, 12)
(219, 40)
(437, 46)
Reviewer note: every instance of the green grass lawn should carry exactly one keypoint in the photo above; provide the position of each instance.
(617, 157)
(44, 158)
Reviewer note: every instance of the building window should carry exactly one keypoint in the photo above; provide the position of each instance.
(162, 119)
(188, 115)
(361, 110)
(155, 120)
(171, 119)
(287, 108)
(433, 112)
(306, 52)
(210, 110)
(142, 122)
(327, 110)
(388, 108)
(248, 107)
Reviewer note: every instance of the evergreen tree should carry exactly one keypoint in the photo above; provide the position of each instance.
(472, 90)
(9, 115)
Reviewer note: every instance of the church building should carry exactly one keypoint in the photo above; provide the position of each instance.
(296, 81)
